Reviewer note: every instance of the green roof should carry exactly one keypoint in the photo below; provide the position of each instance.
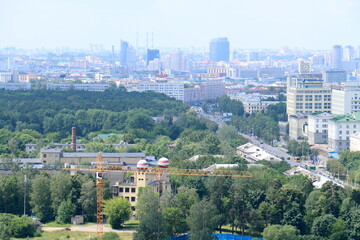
(106, 135)
(355, 117)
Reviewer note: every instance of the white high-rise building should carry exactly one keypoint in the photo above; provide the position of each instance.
(172, 89)
(340, 129)
(9, 76)
(347, 99)
(336, 57)
(306, 94)
(318, 127)
(349, 53)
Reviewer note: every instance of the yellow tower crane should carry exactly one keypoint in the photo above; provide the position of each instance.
(101, 169)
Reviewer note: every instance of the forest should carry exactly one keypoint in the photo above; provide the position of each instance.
(268, 204)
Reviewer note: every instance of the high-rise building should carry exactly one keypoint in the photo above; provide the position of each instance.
(336, 57)
(347, 99)
(219, 50)
(306, 94)
(124, 46)
(349, 53)
(151, 54)
(304, 66)
(335, 76)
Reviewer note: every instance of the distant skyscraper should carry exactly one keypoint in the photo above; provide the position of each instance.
(124, 46)
(151, 55)
(336, 57)
(349, 53)
(219, 50)
(304, 66)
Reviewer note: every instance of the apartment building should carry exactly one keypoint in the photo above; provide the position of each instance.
(340, 129)
(307, 94)
(172, 89)
(318, 127)
(347, 99)
(92, 87)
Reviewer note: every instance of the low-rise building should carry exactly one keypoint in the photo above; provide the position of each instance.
(340, 130)
(15, 86)
(128, 188)
(298, 126)
(172, 89)
(55, 156)
(318, 127)
(355, 142)
(254, 153)
(92, 87)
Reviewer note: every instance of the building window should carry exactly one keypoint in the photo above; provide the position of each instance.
(327, 98)
(299, 106)
(308, 98)
(121, 189)
(127, 189)
(327, 105)
(347, 132)
(299, 97)
(133, 199)
(354, 126)
(324, 125)
(318, 98)
(318, 105)
(340, 132)
(133, 190)
(308, 105)
(44, 155)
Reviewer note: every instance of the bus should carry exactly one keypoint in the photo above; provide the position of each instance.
(297, 159)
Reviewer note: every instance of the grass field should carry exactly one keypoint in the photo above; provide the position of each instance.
(69, 235)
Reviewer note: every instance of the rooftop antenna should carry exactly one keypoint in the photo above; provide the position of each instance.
(137, 41)
(8, 63)
(152, 40)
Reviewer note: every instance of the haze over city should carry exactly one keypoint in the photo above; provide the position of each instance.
(179, 23)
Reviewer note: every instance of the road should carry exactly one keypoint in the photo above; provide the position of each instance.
(280, 152)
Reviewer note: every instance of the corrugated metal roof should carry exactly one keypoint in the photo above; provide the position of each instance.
(104, 155)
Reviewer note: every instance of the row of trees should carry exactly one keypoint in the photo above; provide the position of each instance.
(63, 108)
(51, 197)
(268, 204)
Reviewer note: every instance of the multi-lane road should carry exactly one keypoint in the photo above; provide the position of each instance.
(280, 152)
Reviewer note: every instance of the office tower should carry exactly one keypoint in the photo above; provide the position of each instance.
(252, 56)
(304, 66)
(349, 53)
(219, 50)
(335, 76)
(151, 55)
(124, 46)
(306, 94)
(336, 57)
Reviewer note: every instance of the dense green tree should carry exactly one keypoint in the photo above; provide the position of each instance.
(280, 232)
(111, 236)
(60, 187)
(65, 211)
(202, 220)
(118, 211)
(353, 224)
(174, 221)
(88, 200)
(151, 221)
(322, 225)
(41, 198)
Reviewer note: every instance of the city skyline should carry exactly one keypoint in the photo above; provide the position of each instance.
(183, 24)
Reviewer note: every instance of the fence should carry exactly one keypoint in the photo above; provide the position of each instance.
(219, 236)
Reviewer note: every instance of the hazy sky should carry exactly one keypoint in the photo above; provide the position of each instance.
(315, 24)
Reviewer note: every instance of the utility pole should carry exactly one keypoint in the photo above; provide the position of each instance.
(25, 180)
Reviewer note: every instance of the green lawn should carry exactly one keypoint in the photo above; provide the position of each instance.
(54, 224)
(63, 234)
